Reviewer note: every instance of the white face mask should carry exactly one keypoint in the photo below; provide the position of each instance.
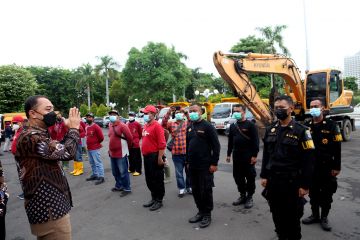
(131, 118)
(16, 127)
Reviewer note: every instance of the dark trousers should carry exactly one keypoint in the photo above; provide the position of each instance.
(135, 161)
(202, 182)
(323, 187)
(285, 205)
(2, 228)
(244, 175)
(154, 176)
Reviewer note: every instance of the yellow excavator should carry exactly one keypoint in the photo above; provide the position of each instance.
(236, 68)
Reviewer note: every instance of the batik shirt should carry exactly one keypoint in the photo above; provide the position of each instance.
(46, 190)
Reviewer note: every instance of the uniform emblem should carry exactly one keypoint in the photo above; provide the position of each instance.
(325, 141)
(308, 134)
(273, 130)
(189, 129)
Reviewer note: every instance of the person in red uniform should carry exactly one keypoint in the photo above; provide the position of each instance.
(135, 161)
(153, 148)
(57, 132)
(94, 138)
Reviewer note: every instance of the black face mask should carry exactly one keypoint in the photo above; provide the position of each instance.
(89, 121)
(49, 119)
(281, 113)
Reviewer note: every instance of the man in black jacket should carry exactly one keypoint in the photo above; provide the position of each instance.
(202, 151)
(244, 144)
(327, 140)
(287, 168)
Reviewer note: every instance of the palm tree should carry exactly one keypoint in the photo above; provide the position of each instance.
(273, 37)
(107, 67)
(87, 77)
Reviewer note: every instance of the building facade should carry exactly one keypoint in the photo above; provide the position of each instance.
(352, 67)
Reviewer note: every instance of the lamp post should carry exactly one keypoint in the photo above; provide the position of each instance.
(206, 93)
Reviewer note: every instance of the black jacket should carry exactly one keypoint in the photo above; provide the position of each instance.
(244, 145)
(327, 139)
(288, 150)
(202, 145)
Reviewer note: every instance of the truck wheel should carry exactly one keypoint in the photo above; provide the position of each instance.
(346, 130)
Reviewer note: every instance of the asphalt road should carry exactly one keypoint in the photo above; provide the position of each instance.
(99, 213)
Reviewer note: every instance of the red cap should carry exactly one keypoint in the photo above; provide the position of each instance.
(149, 108)
(18, 118)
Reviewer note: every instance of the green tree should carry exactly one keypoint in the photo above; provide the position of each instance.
(350, 83)
(121, 96)
(84, 109)
(154, 73)
(107, 68)
(102, 110)
(58, 85)
(251, 44)
(86, 80)
(274, 39)
(94, 108)
(16, 85)
(201, 81)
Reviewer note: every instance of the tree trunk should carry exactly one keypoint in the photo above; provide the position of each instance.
(88, 96)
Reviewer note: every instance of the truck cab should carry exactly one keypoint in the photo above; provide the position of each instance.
(221, 114)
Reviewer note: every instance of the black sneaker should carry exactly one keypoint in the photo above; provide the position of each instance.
(205, 221)
(197, 218)
(20, 196)
(149, 204)
(124, 193)
(100, 181)
(249, 202)
(115, 189)
(240, 200)
(310, 220)
(157, 205)
(325, 224)
(92, 178)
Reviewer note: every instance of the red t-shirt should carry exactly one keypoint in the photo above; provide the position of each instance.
(94, 137)
(58, 131)
(13, 144)
(136, 131)
(153, 138)
(115, 143)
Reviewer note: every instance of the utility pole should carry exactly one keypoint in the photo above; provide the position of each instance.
(306, 39)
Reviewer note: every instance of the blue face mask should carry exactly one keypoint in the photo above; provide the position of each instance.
(112, 118)
(237, 115)
(146, 118)
(194, 116)
(179, 116)
(315, 112)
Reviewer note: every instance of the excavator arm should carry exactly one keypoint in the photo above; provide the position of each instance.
(234, 68)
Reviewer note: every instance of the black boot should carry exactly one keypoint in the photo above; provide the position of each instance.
(313, 218)
(92, 178)
(240, 200)
(149, 204)
(197, 218)
(324, 222)
(249, 202)
(205, 221)
(100, 181)
(157, 205)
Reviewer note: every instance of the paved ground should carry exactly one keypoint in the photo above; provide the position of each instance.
(100, 214)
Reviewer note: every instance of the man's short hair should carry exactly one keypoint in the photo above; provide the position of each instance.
(240, 106)
(319, 99)
(287, 98)
(31, 103)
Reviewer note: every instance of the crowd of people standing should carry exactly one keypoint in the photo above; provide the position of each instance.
(289, 169)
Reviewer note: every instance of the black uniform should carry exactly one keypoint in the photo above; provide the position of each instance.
(287, 165)
(243, 145)
(202, 150)
(327, 139)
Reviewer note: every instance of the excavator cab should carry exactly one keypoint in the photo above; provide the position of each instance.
(329, 86)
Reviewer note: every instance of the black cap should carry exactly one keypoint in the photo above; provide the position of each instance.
(90, 114)
(131, 114)
(113, 111)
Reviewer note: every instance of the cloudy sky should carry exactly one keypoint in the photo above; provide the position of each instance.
(68, 33)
